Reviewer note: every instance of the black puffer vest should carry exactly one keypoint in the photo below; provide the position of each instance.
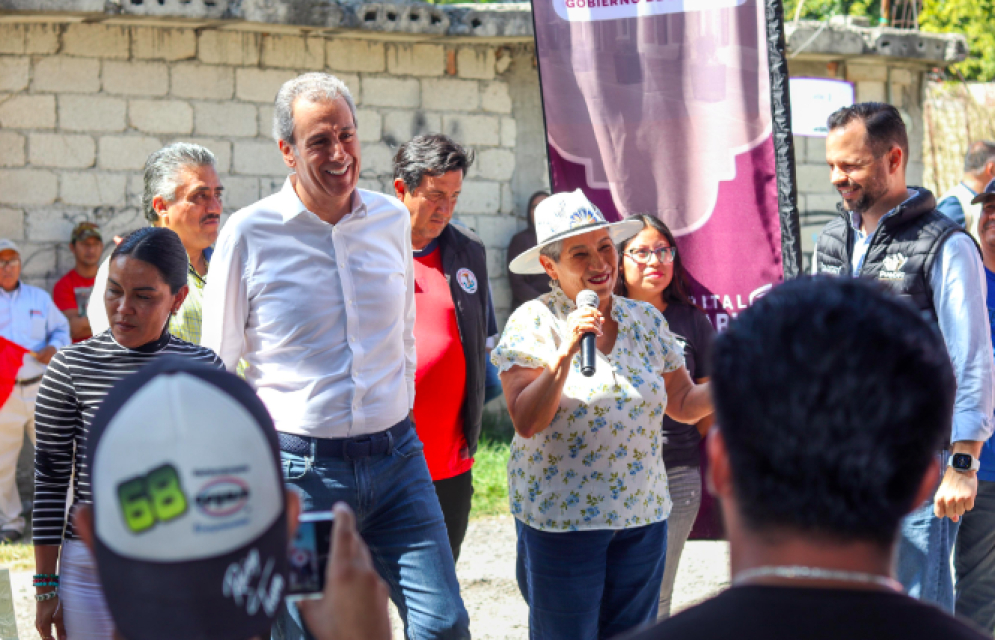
(901, 252)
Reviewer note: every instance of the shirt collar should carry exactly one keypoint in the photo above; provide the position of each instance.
(855, 216)
(14, 293)
(291, 205)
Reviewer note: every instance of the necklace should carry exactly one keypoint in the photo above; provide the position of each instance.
(796, 572)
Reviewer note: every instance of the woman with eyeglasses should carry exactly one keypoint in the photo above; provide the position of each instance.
(651, 271)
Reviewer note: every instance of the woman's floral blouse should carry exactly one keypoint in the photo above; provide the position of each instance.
(598, 465)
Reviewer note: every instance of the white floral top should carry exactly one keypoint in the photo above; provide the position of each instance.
(598, 464)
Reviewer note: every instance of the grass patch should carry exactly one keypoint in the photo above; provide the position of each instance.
(490, 475)
(17, 557)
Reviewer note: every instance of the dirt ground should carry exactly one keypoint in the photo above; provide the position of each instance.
(487, 575)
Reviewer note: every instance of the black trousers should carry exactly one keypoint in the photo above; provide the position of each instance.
(455, 496)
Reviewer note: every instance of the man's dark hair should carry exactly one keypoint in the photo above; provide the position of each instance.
(978, 155)
(884, 124)
(430, 155)
(833, 396)
(161, 248)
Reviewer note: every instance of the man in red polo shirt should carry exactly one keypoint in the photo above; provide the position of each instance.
(452, 317)
(72, 291)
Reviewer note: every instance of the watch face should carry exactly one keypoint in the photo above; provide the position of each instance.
(961, 461)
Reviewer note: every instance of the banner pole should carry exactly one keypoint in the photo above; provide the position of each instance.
(542, 97)
(784, 143)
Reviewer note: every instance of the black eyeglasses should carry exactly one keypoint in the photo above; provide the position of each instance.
(664, 254)
(13, 262)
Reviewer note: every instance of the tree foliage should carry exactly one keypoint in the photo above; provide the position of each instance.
(974, 18)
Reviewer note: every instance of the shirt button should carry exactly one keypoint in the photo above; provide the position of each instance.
(352, 338)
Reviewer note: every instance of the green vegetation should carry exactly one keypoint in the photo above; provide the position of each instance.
(974, 18)
(490, 476)
(17, 557)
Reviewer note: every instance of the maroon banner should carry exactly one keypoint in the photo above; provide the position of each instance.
(663, 107)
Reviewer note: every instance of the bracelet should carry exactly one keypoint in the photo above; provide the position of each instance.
(42, 576)
(45, 584)
(42, 597)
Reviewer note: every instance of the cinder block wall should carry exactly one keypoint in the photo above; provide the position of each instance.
(82, 105)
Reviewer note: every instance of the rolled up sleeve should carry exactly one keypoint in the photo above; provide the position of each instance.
(959, 297)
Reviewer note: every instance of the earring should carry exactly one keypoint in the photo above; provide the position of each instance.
(554, 284)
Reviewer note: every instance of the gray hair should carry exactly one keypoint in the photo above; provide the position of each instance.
(552, 250)
(313, 87)
(978, 155)
(162, 172)
(429, 155)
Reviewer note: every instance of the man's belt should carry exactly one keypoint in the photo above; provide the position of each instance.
(366, 446)
(29, 381)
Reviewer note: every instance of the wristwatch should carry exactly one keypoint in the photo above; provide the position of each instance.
(964, 462)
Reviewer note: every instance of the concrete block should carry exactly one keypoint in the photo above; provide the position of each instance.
(813, 179)
(345, 54)
(11, 149)
(870, 91)
(446, 94)
(481, 197)
(236, 48)
(501, 290)
(293, 52)
(15, 72)
(26, 38)
(416, 59)
(136, 78)
(374, 184)
(126, 153)
(815, 151)
(368, 125)
(49, 225)
(61, 150)
(507, 199)
(66, 75)
(28, 186)
(495, 98)
(163, 43)
(225, 119)
(475, 63)
(96, 41)
(495, 263)
(92, 189)
(473, 130)
(11, 223)
(377, 161)
(27, 112)
(240, 191)
(496, 231)
(220, 148)
(258, 158)
(260, 85)
(494, 164)
(190, 80)
(875, 72)
(92, 113)
(391, 92)
(820, 202)
(902, 76)
(401, 126)
(509, 132)
(160, 116)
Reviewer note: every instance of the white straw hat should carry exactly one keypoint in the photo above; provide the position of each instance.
(563, 215)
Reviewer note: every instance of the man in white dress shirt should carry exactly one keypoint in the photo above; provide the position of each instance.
(314, 288)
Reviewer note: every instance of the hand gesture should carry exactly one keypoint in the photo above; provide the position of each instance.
(48, 613)
(582, 320)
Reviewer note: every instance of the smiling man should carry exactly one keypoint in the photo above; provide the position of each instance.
(893, 234)
(314, 288)
(453, 320)
(182, 193)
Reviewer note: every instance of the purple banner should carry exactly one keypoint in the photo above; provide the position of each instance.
(655, 108)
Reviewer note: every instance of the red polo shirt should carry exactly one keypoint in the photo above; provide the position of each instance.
(440, 379)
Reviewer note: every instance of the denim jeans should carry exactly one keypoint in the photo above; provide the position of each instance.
(685, 492)
(584, 585)
(924, 555)
(974, 560)
(399, 518)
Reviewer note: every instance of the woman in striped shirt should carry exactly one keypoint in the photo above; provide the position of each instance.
(147, 283)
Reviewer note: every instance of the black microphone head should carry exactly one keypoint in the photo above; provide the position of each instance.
(588, 298)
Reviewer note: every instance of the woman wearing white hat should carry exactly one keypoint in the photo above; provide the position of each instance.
(587, 485)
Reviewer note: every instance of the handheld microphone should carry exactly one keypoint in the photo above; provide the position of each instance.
(587, 298)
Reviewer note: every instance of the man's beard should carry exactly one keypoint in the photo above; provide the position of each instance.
(870, 193)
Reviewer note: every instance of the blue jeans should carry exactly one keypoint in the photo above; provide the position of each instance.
(583, 585)
(924, 552)
(398, 516)
(492, 383)
(974, 560)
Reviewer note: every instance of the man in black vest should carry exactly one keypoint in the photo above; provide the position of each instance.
(892, 233)
(453, 319)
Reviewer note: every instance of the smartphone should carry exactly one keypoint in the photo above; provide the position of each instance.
(308, 556)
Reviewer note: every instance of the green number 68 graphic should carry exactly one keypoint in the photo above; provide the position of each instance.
(154, 497)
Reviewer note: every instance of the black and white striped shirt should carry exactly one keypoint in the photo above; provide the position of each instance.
(78, 379)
